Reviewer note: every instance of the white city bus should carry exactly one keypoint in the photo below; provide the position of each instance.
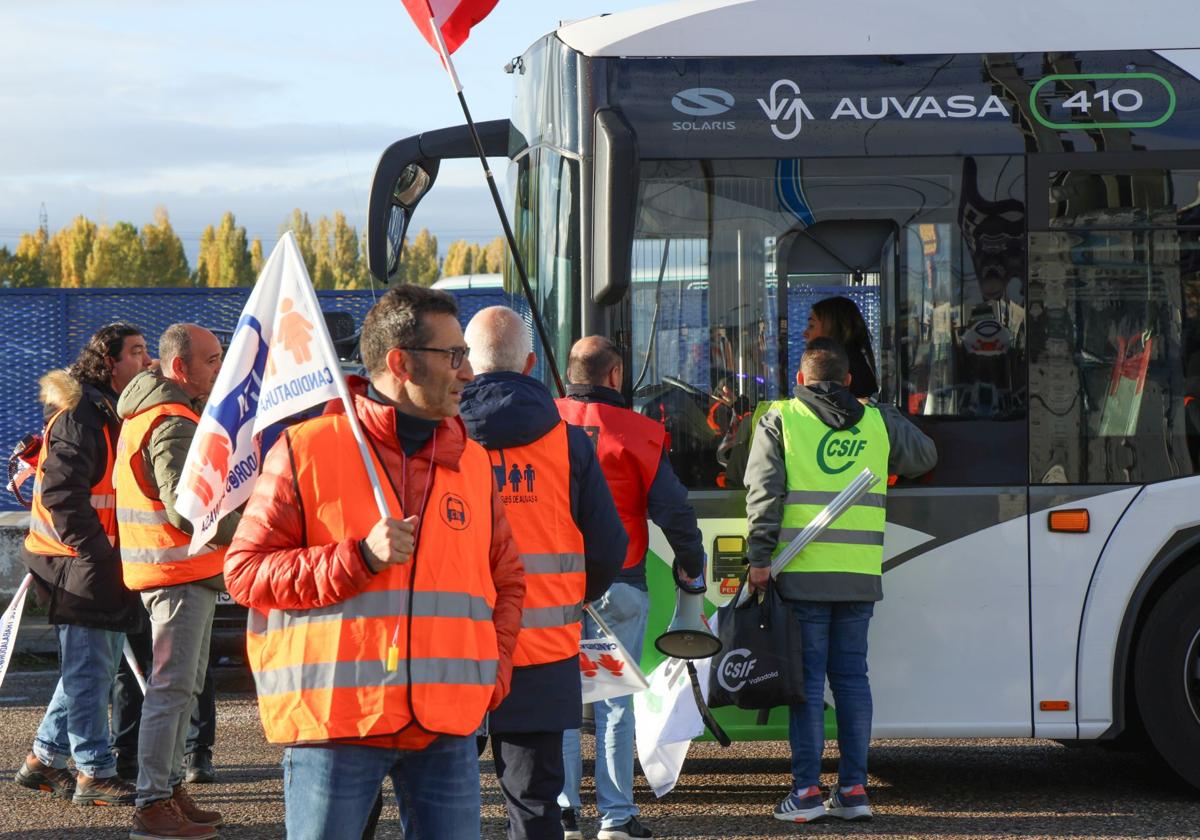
(1010, 194)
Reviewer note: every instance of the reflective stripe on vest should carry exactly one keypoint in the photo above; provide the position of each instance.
(42, 537)
(820, 462)
(322, 673)
(534, 482)
(154, 553)
(629, 447)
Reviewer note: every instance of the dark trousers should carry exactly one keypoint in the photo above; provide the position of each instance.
(529, 766)
(127, 703)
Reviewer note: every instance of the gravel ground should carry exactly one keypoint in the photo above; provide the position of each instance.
(925, 789)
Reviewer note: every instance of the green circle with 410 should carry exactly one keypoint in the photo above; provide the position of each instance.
(840, 450)
(1082, 101)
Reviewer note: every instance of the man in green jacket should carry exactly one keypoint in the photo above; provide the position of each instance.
(805, 451)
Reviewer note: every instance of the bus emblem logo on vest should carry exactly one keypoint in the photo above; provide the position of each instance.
(455, 512)
(832, 450)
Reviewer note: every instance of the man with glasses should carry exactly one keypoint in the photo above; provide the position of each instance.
(378, 644)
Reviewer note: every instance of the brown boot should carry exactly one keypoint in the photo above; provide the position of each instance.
(162, 820)
(189, 808)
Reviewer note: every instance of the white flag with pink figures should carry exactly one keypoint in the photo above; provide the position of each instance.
(280, 361)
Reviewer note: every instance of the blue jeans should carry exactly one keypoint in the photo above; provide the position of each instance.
(625, 609)
(329, 789)
(835, 644)
(76, 721)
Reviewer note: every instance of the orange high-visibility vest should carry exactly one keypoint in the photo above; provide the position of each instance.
(323, 673)
(42, 537)
(535, 484)
(154, 553)
(629, 447)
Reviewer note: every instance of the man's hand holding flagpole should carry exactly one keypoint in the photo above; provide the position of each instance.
(280, 362)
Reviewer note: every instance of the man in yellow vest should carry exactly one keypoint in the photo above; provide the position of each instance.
(179, 589)
(378, 644)
(805, 451)
(71, 551)
(572, 545)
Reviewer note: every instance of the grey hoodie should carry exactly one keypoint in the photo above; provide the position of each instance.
(912, 453)
(166, 449)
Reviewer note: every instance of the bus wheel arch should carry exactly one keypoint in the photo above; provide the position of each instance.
(1164, 672)
(1180, 555)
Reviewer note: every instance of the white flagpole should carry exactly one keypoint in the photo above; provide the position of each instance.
(339, 382)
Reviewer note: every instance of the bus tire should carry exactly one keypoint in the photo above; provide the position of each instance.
(1167, 676)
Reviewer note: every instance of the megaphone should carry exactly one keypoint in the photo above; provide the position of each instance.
(688, 637)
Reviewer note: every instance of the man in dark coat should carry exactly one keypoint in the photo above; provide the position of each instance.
(71, 551)
(505, 408)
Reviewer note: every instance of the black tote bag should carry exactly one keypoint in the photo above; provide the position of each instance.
(759, 666)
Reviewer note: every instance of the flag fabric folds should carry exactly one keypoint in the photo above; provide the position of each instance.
(606, 671)
(454, 18)
(280, 361)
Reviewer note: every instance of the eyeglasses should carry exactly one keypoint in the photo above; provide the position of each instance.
(456, 354)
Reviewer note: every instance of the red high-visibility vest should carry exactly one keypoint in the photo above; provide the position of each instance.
(42, 537)
(534, 481)
(323, 673)
(629, 447)
(154, 553)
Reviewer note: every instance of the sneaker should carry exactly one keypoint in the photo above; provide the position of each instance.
(625, 831)
(849, 804)
(802, 806)
(38, 776)
(198, 769)
(110, 790)
(162, 820)
(570, 825)
(188, 807)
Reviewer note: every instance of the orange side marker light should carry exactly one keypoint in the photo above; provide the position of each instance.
(1055, 705)
(1070, 521)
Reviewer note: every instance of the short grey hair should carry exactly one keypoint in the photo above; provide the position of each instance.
(499, 340)
(176, 343)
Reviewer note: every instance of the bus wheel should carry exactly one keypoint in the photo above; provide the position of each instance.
(1167, 676)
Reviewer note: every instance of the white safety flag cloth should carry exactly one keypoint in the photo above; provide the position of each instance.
(606, 672)
(666, 719)
(10, 623)
(280, 362)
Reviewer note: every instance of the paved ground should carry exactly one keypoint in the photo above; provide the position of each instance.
(926, 789)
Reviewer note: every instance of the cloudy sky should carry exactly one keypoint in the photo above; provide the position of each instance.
(112, 108)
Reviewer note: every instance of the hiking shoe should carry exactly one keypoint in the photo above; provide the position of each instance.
(188, 807)
(38, 776)
(162, 820)
(570, 825)
(111, 790)
(624, 831)
(802, 806)
(849, 804)
(198, 769)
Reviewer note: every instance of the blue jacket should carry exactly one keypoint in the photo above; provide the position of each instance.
(503, 410)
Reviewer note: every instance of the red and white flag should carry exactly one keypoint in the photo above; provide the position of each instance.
(454, 18)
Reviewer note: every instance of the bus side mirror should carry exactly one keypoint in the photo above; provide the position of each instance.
(403, 177)
(615, 183)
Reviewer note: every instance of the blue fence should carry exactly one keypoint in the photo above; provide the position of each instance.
(43, 329)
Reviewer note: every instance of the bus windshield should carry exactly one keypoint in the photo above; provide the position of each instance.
(730, 255)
